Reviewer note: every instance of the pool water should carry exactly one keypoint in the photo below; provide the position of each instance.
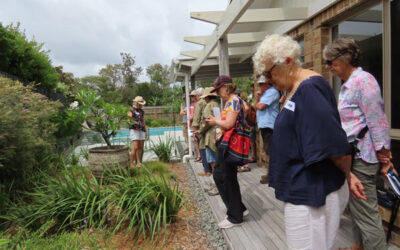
(123, 134)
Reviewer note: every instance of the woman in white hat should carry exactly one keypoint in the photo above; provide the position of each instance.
(137, 130)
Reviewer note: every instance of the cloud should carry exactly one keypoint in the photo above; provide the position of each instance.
(85, 35)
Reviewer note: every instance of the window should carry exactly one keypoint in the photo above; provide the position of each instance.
(395, 61)
(366, 29)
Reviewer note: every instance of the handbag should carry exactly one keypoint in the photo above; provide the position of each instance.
(236, 141)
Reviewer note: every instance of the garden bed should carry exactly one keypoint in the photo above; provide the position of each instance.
(186, 232)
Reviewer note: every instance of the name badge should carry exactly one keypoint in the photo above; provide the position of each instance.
(290, 105)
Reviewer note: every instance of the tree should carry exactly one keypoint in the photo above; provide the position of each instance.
(122, 75)
(158, 74)
(25, 59)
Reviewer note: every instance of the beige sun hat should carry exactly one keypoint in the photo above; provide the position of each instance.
(140, 100)
(207, 92)
(194, 93)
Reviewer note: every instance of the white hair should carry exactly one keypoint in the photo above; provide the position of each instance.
(275, 48)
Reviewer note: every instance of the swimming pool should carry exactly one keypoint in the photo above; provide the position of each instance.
(124, 134)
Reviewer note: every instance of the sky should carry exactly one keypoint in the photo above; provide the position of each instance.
(85, 35)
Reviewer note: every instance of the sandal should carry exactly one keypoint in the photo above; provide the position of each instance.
(244, 169)
(198, 159)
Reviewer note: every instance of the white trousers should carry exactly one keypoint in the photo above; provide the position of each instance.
(315, 227)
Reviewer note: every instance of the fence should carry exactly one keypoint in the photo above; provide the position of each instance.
(162, 112)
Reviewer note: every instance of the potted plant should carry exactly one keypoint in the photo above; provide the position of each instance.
(106, 119)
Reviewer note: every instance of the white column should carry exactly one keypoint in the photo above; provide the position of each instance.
(187, 76)
(223, 58)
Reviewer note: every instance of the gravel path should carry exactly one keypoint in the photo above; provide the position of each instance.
(207, 219)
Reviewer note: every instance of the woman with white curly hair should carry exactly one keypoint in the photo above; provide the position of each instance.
(309, 157)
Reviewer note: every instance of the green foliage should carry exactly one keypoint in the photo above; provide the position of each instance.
(73, 200)
(69, 124)
(26, 131)
(67, 84)
(158, 74)
(100, 116)
(163, 149)
(148, 121)
(69, 201)
(27, 239)
(148, 202)
(25, 59)
(242, 83)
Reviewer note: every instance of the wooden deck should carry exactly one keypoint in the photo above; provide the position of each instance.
(264, 228)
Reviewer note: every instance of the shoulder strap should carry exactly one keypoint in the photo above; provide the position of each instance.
(241, 114)
(362, 133)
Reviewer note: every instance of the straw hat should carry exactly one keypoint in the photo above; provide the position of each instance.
(207, 92)
(140, 100)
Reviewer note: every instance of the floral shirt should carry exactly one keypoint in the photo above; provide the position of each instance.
(232, 105)
(137, 121)
(360, 104)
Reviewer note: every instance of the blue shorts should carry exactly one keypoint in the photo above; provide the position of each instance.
(211, 155)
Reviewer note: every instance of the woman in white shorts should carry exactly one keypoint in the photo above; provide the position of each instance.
(137, 131)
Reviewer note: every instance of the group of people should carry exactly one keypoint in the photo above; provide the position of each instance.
(324, 154)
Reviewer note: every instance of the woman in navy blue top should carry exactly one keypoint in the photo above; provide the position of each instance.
(310, 159)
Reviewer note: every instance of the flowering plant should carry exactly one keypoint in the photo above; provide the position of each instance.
(100, 116)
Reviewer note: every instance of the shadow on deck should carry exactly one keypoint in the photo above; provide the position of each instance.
(264, 228)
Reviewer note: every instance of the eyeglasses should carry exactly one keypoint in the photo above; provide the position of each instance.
(268, 74)
(329, 62)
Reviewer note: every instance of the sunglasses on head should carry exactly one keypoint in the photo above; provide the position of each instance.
(329, 62)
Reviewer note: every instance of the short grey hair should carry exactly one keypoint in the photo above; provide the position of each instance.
(345, 48)
(275, 48)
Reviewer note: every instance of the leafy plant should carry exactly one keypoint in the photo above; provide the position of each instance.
(100, 116)
(28, 239)
(163, 149)
(148, 121)
(25, 59)
(26, 131)
(72, 200)
(148, 203)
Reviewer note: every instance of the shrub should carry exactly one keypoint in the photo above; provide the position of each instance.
(163, 149)
(145, 203)
(26, 131)
(71, 200)
(105, 118)
(163, 122)
(155, 124)
(25, 59)
(148, 121)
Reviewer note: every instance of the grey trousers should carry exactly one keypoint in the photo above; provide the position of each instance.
(367, 222)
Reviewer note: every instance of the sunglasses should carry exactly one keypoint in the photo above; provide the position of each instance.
(329, 62)
(268, 74)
